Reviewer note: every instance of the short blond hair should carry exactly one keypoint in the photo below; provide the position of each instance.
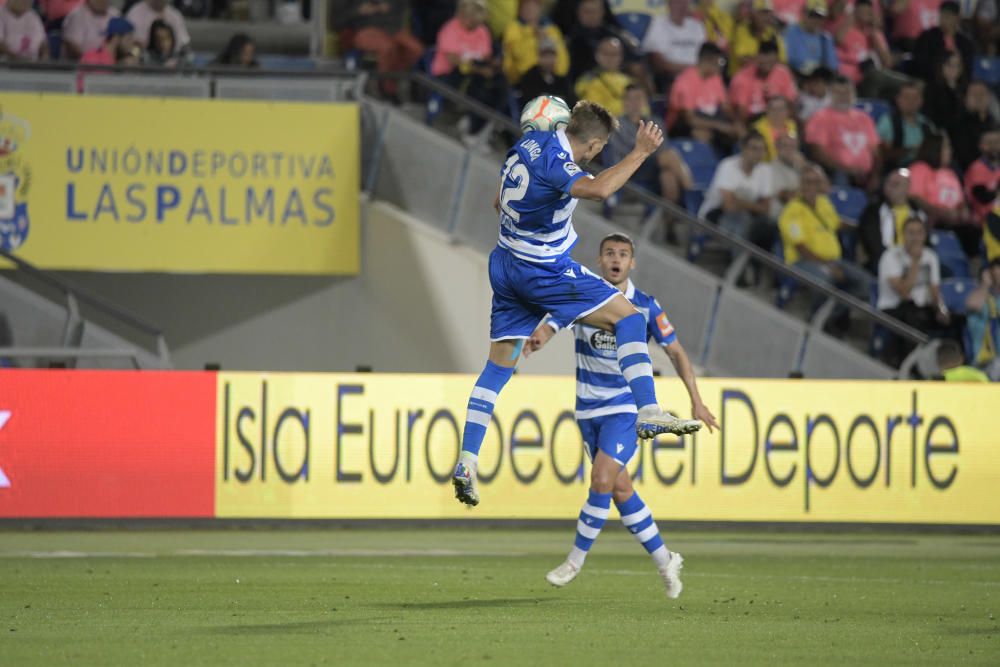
(591, 121)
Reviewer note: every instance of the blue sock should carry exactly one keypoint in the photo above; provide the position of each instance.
(481, 402)
(588, 527)
(633, 358)
(639, 521)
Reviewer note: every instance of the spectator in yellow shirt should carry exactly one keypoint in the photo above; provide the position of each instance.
(776, 122)
(606, 83)
(748, 36)
(719, 24)
(522, 38)
(808, 228)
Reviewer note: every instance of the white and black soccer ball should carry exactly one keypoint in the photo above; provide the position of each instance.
(545, 113)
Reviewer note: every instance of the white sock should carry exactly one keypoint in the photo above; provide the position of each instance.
(576, 557)
(469, 459)
(661, 557)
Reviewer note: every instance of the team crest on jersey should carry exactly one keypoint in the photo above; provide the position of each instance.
(603, 341)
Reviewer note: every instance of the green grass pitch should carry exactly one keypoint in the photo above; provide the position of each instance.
(451, 596)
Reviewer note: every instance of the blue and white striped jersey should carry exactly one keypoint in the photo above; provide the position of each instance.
(601, 389)
(535, 206)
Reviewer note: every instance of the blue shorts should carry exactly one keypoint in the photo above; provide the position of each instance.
(525, 292)
(614, 435)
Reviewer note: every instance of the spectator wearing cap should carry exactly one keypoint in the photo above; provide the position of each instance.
(749, 35)
(936, 189)
(543, 80)
(719, 24)
(699, 106)
(903, 129)
(843, 139)
(982, 307)
(759, 80)
(22, 35)
(776, 122)
(606, 83)
(909, 280)
(119, 44)
(673, 40)
(381, 28)
(975, 119)
(522, 37)
(982, 178)
(142, 14)
(861, 44)
(808, 45)
(881, 223)
(815, 93)
(935, 43)
(84, 28)
(910, 18)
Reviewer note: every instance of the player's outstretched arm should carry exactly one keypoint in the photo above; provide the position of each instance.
(647, 139)
(685, 371)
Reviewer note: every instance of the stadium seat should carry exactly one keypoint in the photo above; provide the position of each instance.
(635, 23)
(701, 159)
(954, 291)
(954, 263)
(875, 108)
(986, 68)
(849, 202)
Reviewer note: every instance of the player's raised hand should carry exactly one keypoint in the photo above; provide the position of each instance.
(538, 339)
(648, 137)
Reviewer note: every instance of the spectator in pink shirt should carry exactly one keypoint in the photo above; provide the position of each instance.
(912, 17)
(760, 80)
(145, 12)
(843, 139)
(698, 104)
(118, 48)
(84, 27)
(54, 11)
(936, 191)
(466, 61)
(22, 35)
(862, 43)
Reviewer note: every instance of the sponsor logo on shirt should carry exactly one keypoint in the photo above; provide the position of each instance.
(665, 327)
(603, 341)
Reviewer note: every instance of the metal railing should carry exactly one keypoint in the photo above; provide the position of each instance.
(71, 338)
(741, 248)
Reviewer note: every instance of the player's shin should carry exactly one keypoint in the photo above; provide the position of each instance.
(589, 525)
(481, 403)
(639, 520)
(633, 359)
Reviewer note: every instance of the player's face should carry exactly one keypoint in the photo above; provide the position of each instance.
(615, 261)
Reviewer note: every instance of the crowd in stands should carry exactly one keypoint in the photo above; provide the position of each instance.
(146, 32)
(859, 139)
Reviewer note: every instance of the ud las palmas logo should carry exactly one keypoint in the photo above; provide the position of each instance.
(15, 181)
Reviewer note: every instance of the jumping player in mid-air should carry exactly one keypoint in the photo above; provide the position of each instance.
(533, 275)
(606, 414)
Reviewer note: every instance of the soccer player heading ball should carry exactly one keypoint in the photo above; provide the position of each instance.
(534, 277)
(606, 414)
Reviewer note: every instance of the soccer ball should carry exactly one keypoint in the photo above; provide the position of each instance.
(546, 113)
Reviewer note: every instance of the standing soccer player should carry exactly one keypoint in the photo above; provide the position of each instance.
(532, 273)
(606, 414)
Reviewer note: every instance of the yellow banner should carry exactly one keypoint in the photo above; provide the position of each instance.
(205, 186)
(384, 446)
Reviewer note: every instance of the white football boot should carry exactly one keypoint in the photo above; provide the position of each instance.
(671, 575)
(563, 574)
